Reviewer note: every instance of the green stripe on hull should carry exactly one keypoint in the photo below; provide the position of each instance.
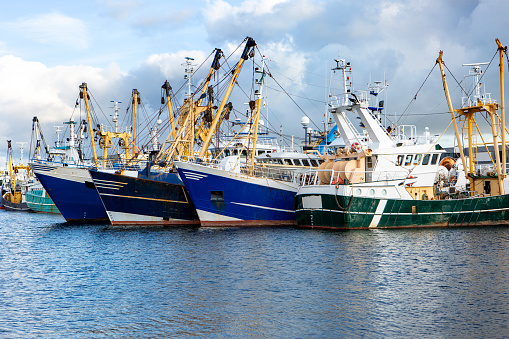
(393, 213)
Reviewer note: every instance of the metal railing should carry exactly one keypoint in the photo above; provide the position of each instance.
(331, 177)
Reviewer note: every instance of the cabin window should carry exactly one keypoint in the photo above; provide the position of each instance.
(434, 159)
(408, 160)
(288, 162)
(400, 160)
(244, 153)
(417, 159)
(313, 162)
(227, 152)
(425, 160)
(279, 161)
(305, 162)
(297, 162)
(369, 162)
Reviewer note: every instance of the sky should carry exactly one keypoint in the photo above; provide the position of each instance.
(48, 48)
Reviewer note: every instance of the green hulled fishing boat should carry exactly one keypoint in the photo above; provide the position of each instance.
(398, 180)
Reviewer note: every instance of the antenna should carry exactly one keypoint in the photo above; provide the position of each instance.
(58, 129)
(21, 146)
(115, 115)
(189, 72)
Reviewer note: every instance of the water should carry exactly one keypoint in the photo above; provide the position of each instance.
(98, 281)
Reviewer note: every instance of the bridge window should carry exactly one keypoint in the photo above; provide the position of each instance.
(417, 159)
(425, 160)
(408, 160)
(434, 159)
(400, 160)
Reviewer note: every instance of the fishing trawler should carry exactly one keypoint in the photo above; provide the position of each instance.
(65, 174)
(234, 191)
(395, 183)
(19, 176)
(157, 196)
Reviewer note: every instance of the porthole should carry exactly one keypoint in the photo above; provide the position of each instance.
(371, 192)
(384, 192)
(358, 191)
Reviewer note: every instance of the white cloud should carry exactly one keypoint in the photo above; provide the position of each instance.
(53, 29)
(260, 19)
(170, 64)
(32, 89)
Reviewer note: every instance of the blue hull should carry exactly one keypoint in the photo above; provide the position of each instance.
(223, 200)
(78, 202)
(160, 200)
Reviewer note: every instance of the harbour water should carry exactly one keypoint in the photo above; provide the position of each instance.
(95, 281)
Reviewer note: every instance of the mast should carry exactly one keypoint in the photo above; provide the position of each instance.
(12, 180)
(36, 133)
(167, 88)
(250, 44)
(184, 131)
(456, 132)
(83, 87)
(501, 50)
(135, 106)
(258, 103)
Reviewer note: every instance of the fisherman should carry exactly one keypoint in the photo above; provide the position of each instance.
(424, 195)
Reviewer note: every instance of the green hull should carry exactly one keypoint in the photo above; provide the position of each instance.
(39, 203)
(365, 213)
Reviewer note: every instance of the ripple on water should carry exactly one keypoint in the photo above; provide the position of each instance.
(61, 280)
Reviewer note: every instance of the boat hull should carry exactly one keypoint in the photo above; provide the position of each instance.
(72, 191)
(15, 207)
(40, 203)
(324, 210)
(138, 201)
(224, 198)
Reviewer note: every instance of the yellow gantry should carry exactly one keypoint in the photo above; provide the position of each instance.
(83, 88)
(469, 114)
(250, 44)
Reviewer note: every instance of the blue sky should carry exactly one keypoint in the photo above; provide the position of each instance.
(48, 48)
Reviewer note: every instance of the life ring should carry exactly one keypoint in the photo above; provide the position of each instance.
(338, 181)
(356, 146)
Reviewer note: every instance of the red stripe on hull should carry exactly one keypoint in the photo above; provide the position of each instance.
(249, 223)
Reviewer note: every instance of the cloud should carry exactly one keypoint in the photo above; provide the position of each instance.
(260, 19)
(170, 64)
(53, 29)
(33, 89)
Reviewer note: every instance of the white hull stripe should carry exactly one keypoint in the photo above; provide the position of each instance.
(420, 213)
(109, 184)
(194, 176)
(131, 217)
(378, 213)
(209, 216)
(264, 207)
